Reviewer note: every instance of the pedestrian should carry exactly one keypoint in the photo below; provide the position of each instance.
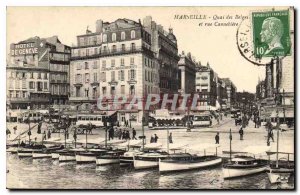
(155, 138)
(49, 134)
(170, 138)
(217, 138)
(75, 136)
(7, 132)
(44, 135)
(120, 133)
(35, 139)
(15, 129)
(110, 133)
(133, 133)
(123, 134)
(152, 139)
(39, 128)
(127, 135)
(241, 132)
(271, 135)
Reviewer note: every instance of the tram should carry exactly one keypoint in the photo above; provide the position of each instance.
(96, 119)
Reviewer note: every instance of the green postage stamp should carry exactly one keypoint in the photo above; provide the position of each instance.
(271, 33)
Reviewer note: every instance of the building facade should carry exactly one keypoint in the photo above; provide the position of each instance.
(231, 93)
(164, 45)
(221, 94)
(29, 73)
(186, 74)
(206, 87)
(115, 60)
(260, 90)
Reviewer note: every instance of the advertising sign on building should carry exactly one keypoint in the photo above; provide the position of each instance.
(24, 49)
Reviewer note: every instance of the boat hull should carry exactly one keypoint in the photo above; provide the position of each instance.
(41, 155)
(66, 158)
(107, 161)
(144, 164)
(55, 155)
(279, 175)
(25, 154)
(238, 172)
(84, 158)
(165, 166)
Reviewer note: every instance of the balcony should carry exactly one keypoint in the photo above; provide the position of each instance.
(132, 81)
(113, 82)
(119, 51)
(17, 100)
(95, 83)
(81, 99)
(78, 84)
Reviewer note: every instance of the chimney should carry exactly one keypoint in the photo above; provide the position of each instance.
(147, 21)
(99, 26)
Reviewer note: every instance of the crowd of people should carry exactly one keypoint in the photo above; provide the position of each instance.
(121, 133)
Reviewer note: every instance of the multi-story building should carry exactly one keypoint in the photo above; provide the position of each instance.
(59, 66)
(279, 99)
(28, 72)
(186, 74)
(114, 60)
(260, 90)
(164, 45)
(231, 93)
(221, 94)
(206, 86)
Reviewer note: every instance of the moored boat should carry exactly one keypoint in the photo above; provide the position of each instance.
(89, 156)
(242, 166)
(41, 154)
(186, 161)
(111, 157)
(45, 153)
(280, 175)
(66, 156)
(127, 157)
(148, 160)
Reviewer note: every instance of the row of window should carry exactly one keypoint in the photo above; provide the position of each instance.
(80, 78)
(113, 91)
(59, 77)
(103, 50)
(92, 40)
(95, 64)
(59, 90)
(59, 57)
(150, 76)
(18, 94)
(59, 67)
(38, 85)
(31, 75)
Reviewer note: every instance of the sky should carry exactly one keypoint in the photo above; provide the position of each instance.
(216, 45)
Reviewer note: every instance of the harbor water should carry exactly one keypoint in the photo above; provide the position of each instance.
(49, 174)
(29, 173)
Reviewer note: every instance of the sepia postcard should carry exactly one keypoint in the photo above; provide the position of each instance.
(148, 98)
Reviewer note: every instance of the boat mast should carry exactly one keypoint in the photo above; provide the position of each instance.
(168, 139)
(230, 138)
(277, 146)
